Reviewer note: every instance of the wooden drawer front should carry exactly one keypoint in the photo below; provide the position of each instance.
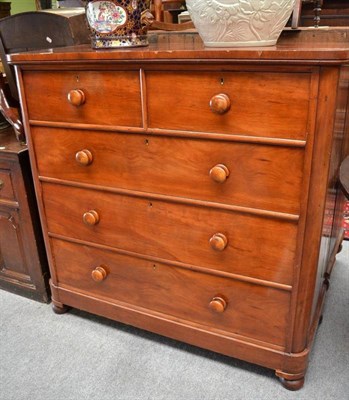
(258, 247)
(111, 98)
(6, 188)
(254, 311)
(262, 104)
(265, 177)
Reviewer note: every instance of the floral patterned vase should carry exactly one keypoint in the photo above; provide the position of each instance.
(118, 23)
(237, 23)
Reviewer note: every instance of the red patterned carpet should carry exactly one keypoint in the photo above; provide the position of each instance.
(346, 220)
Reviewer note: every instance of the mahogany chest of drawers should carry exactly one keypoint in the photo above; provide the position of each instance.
(183, 190)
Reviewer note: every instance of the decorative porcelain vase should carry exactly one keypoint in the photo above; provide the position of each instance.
(237, 23)
(118, 23)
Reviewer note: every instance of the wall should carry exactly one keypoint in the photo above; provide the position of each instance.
(18, 6)
(21, 5)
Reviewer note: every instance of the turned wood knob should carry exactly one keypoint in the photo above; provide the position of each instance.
(84, 157)
(218, 241)
(99, 273)
(91, 218)
(1, 184)
(218, 304)
(76, 97)
(219, 173)
(220, 103)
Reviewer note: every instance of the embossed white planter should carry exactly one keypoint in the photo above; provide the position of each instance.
(238, 23)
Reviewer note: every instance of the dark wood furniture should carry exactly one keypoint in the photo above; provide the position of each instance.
(5, 9)
(330, 12)
(163, 8)
(163, 11)
(10, 110)
(183, 190)
(320, 13)
(344, 176)
(40, 30)
(23, 262)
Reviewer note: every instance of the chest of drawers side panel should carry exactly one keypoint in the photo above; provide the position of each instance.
(320, 166)
(332, 227)
(339, 152)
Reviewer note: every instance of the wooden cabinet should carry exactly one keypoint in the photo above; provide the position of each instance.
(182, 190)
(23, 263)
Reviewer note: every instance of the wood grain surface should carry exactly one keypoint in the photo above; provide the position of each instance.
(268, 178)
(111, 98)
(6, 186)
(254, 311)
(255, 97)
(259, 247)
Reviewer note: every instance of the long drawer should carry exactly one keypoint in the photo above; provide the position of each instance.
(108, 98)
(250, 310)
(252, 102)
(256, 176)
(239, 243)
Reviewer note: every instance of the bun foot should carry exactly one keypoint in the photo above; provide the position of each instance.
(292, 385)
(59, 309)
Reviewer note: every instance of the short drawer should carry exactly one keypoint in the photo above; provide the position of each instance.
(250, 245)
(257, 176)
(269, 104)
(6, 188)
(107, 98)
(236, 307)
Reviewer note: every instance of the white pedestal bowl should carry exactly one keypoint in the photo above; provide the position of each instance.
(240, 23)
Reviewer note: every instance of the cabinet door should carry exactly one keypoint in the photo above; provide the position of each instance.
(13, 264)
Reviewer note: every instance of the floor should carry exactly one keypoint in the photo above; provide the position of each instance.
(78, 356)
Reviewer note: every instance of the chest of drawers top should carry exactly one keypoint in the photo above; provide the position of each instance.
(304, 46)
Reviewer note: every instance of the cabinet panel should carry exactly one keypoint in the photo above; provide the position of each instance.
(23, 263)
(6, 187)
(12, 259)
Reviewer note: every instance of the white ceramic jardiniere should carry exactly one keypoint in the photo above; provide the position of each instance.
(237, 23)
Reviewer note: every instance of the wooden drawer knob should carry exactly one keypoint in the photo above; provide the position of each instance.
(218, 304)
(91, 218)
(220, 103)
(219, 173)
(76, 97)
(84, 157)
(218, 242)
(99, 273)
(1, 184)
